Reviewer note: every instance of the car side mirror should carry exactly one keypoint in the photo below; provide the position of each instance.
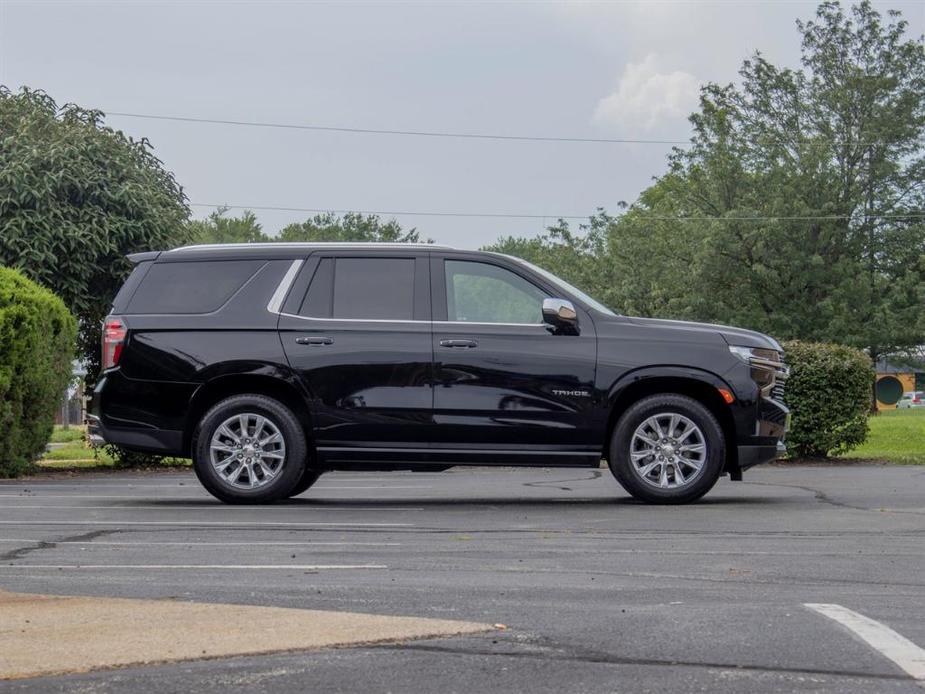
(561, 315)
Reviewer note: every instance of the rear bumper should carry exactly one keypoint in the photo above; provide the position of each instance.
(158, 441)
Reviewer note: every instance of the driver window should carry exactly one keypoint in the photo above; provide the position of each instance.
(483, 293)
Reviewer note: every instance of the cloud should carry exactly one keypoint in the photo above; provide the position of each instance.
(646, 98)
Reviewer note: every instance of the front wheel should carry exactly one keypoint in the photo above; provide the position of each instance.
(667, 449)
(249, 449)
(309, 477)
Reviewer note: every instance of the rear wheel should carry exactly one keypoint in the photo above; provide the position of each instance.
(249, 449)
(667, 449)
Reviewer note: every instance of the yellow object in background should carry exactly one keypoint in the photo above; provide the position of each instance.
(890, 388)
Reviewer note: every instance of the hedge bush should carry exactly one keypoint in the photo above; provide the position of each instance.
(829, 396)
(37, 339)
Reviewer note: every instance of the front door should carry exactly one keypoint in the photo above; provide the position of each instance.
(505, 385)
(359, 339)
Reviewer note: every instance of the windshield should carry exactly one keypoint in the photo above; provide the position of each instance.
(569, 289)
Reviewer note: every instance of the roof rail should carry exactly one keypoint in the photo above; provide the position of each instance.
(308, 245)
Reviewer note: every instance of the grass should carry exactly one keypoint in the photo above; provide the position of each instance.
(896, 436)
(62, 435)
(75, 453)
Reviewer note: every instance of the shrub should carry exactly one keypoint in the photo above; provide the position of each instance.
(134, 459)
(829, 395)
(37, 337)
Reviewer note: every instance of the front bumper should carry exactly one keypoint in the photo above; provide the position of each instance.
(749, 456)
(766, 439)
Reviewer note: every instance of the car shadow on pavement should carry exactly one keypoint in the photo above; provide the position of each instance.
(391, 502)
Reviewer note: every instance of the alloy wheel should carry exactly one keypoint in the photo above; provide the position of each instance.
(668, 451)
(247, 451)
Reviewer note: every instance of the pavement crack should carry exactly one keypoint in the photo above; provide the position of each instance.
(40, 545)
(580, 655)
(555, 484)
(824, 498)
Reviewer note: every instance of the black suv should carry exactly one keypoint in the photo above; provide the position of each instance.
(269, 364)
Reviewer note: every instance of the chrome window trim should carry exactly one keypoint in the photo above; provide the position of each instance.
(407, 320)
(276, 301)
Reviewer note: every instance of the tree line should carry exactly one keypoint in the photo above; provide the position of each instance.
(797, 209)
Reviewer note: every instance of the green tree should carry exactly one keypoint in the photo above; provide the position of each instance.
(804, 190)
(219, 228)
(349, 227)
(75, 198)
(799, 207)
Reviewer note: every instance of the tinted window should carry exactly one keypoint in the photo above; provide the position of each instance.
(368, 288)
(483, 293)
(120, 303)
(198, 287)
(317, 302)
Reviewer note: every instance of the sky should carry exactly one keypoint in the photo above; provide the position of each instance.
(619, 70)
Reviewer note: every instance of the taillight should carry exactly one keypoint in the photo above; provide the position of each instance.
(113, 338)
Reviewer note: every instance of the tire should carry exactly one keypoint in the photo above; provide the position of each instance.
(677, 468)
(309, 477)
(230, 461)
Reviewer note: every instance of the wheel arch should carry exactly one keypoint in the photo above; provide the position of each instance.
(277, 386)
(697, 384)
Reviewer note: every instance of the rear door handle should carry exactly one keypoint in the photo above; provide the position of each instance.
(459, 343)
(315, 340)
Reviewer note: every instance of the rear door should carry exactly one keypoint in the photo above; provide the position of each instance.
(505, 385)
(356, 328)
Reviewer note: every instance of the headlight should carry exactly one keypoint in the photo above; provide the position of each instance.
(752, 355)
(767, 366)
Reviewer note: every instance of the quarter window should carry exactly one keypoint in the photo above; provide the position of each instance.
(191, 287)
(484, 293)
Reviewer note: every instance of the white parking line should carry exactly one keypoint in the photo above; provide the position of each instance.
(880, 637)
(236, 567)
(213, 524)
(32, 493)
(142, 543)
(32, 496)
(32, 488)
(210, 507)
(325, 488)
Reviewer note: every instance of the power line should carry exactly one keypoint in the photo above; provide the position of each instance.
(378, 131)
(510, 215)
(403, 213)
(437, 133)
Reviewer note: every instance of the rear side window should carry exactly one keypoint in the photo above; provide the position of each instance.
(361, 289)
(196, 287)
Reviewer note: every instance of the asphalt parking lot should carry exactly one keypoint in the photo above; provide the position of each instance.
(597, 593)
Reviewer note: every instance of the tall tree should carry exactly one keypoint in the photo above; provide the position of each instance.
(814, 183)
(218, 227)
(799, 207)
(75, 198)
(350, 227)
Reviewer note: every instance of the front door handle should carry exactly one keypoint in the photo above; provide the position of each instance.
(315, 340)
(459, 343)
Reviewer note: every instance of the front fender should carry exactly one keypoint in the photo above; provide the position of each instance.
(668, 371)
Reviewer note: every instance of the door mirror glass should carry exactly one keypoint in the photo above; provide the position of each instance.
(560, 314)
